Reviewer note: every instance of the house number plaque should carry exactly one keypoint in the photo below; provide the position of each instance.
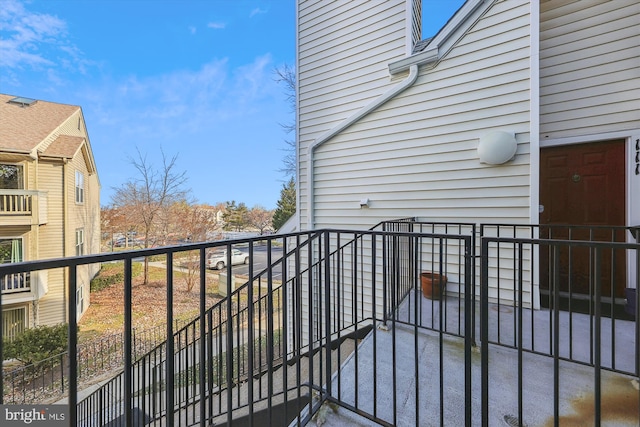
(637, 156)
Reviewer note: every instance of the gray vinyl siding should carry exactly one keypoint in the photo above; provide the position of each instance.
(589, 67)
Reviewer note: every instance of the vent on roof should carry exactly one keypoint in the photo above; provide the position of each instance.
(23, 102)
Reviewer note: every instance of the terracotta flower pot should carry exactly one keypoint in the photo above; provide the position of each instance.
(431, 284)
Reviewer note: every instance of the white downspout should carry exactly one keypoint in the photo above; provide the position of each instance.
(391, 93)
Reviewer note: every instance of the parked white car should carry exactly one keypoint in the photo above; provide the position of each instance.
(218, 259)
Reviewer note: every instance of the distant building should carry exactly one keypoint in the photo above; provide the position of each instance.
(49, 208)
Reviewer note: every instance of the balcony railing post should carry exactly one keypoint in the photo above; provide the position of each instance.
(311, 311)
(283, 322)
(327, 307)
(170, 355)
(73, 346)
(270, 333)
(387, 258)
(474, 255)
(128, 326)
(484, 331)
(469, 334)
(229, 338)
(203, 334)
(598, 334)
(555, 294)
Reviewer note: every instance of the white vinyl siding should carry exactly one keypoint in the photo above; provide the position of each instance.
(589, 67)
(417, 154)
(343, 52)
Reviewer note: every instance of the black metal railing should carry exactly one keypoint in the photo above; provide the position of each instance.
(340, 316)
(567, 338)
(47, 380)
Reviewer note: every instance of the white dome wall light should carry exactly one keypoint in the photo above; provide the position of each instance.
(498, 147)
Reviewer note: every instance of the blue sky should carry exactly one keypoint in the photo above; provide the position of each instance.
(193, 78)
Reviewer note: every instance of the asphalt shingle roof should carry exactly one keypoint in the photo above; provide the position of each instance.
(64, 146)
(23, 128)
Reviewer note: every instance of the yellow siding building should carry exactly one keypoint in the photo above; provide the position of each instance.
(49, 208)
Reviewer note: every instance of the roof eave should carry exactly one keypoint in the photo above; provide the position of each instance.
(13, 151)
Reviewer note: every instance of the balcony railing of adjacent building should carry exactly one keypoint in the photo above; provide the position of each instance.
(14, 283)
(23, 207)
(338, 317)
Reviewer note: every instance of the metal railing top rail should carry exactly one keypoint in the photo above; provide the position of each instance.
(634, 229)
(74, 261)
(569, 231)
(561, 242)
(394, 221)
(594, 226)
(418, 221)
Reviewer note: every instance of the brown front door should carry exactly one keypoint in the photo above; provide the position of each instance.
(583, 184)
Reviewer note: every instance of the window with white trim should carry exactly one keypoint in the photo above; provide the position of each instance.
(11, 250)
(80, 241)
(79, 187)
(14, 322)
(80, 300)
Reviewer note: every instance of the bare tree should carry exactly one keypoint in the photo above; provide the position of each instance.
(118, 220)
(260, 218)
(151, 192)
(196, 224)
(287, 76)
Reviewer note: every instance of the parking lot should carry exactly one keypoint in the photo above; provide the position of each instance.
(259, 261)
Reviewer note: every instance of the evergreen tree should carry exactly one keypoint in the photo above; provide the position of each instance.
(235, 217)
(286, 205)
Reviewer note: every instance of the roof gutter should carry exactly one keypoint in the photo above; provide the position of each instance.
(391, 93)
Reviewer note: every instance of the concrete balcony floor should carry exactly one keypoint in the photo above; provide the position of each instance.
(417, 400)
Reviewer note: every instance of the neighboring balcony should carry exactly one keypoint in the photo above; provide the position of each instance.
(23, 207)
(15, 283)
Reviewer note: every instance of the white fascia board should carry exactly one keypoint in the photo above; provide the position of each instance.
(424, 57)
(441, 43)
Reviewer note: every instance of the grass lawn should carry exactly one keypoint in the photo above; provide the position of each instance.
(105, 315)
